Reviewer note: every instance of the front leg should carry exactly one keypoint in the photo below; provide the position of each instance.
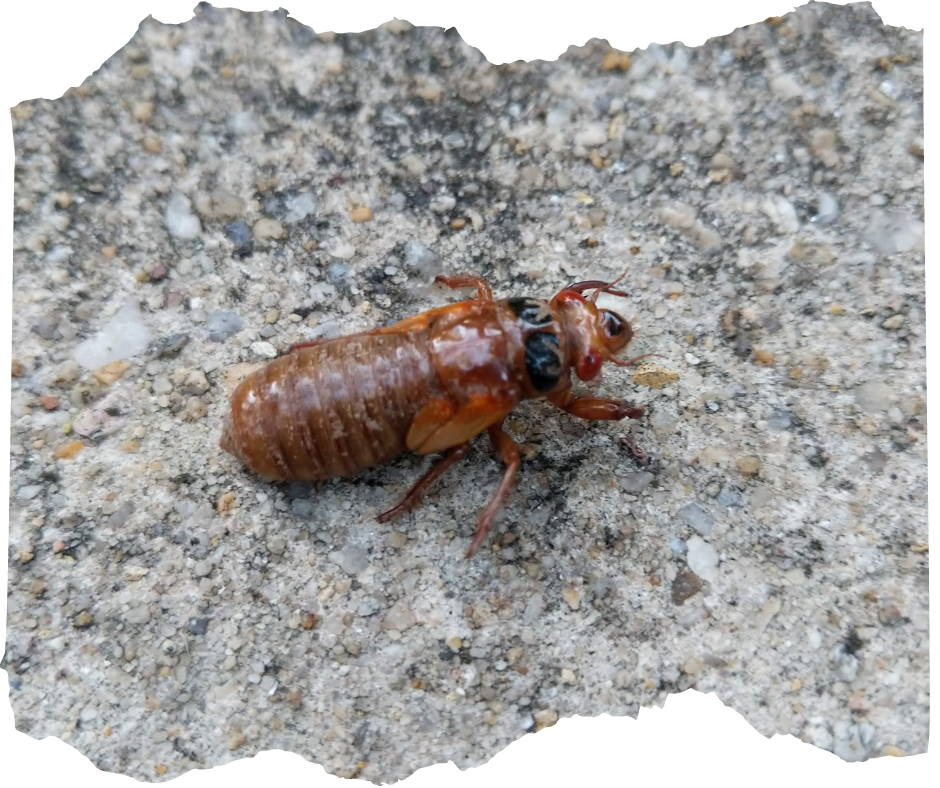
(594, 408)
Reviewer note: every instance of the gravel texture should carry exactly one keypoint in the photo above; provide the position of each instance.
(223, 188)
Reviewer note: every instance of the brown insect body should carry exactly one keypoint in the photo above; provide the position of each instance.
(426, 384)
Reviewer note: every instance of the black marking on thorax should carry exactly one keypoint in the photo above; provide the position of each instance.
(531, 312)
(543, 360)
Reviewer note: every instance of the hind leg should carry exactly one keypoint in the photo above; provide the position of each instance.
(416, 493)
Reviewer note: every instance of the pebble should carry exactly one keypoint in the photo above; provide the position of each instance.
(636, 482)
(749, 466)
(891, 232)
(545, 718)
(572, 597)
(827, 209)
(893, 323)
(223, 324)
(268, 230)
(202, 568)
(685, 585)
(49, 402)
(616, 60)
(763, 358)
(300, 207)
(874, 396)
(351, 559)
(243, 123)
(110, 373)
(693, 666)
(173, 344)
(534, 608)
(454, 141)
(768, 611)
(161, 385)
(264, 349)
(133, 574)
(677, 546)
(697, 518)
(181, 222)
(702, 558)
(591, 136)
(342, 250)
(220, 204)
(361, 214)
(422, 260)
(730, 497)
(890, 616)
(68, 451)
(195, 408)
(443, 203)
(138, 615)
(396, 540)
(124, 336)
(83, 619)
(399, 617)
(195, 382)
(237, 232)
(647, 374)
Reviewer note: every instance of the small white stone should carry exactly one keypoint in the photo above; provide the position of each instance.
(138, 615)
(124, 336)
(591, 136)
(181, 222)
(702, 558)
(264, 349)
(343, 251)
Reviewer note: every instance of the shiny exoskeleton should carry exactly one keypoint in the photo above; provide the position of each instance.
(427, 384)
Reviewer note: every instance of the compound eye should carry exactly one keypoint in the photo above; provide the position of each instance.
(614, 326)
(543, 360)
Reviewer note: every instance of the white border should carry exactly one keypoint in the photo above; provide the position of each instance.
(48, 47)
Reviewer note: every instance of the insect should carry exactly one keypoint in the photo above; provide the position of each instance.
(427, 384)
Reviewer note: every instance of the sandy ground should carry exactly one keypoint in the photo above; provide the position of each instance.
(221, 189)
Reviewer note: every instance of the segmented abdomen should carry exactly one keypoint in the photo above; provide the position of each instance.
(330, 410)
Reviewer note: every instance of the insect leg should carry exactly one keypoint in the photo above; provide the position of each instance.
(464, 280)
(594, 408)
(509, 454)
(416, 493)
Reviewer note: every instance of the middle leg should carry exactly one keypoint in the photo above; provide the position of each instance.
(509, 454)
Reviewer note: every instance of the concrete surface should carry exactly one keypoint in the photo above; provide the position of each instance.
(221, 189)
